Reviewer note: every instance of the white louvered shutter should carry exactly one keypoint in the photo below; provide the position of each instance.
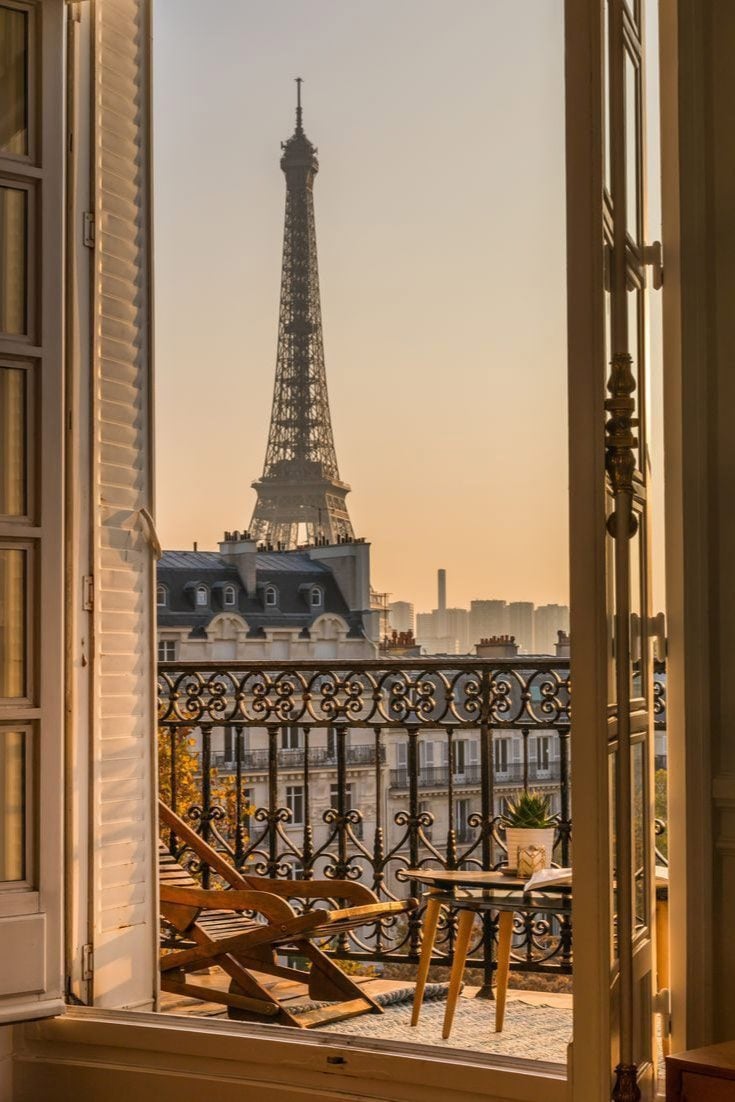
(123, 865)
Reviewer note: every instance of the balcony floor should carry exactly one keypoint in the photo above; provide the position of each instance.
(538, 1025)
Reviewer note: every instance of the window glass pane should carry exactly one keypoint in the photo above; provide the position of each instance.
(612, 688)
(640, 829)
(13, 81)
(606, 93)
(634, 303)
(612, 789)
(633, 330)
(608, 334)
(637, 670)
(631, 146)
(12, 442)
(12, 623)
(12, 805)
(13, 265)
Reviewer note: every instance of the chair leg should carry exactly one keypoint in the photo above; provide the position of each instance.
(428, 937)
(505, 935)
(328, 981)
(464, 930)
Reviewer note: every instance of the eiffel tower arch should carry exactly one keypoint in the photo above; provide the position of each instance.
(301, 497)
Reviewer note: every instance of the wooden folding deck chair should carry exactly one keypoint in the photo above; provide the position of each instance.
(210, 929)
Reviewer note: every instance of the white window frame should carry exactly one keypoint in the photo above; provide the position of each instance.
(229, 597)
(271, 596)
(161, 592)
(316, 597)
(165, 645)
(31, 910)
(543, 753)
(478, 1081)
(462, 828)
(295, 794)
(461, 757)
(201, 596)
(292, 737)
(502, 754)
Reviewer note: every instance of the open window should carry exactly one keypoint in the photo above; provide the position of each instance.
(371, 720)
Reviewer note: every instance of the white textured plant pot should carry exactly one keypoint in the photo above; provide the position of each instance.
(522, 837)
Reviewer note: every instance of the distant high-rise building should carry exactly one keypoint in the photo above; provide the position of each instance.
(432, 633)
(458, 628)
(520, 624)
(424, 624)
(487, 618)
(402, 617)
(549, 620)
(444, 630)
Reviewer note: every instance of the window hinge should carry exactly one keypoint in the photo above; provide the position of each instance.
(88, 593)
(652, 256)
(88, 229)
(657, 632)
(87, 962)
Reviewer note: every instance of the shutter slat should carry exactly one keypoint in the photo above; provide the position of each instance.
(124, 894)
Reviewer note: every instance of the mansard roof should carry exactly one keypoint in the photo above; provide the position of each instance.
(293, 573)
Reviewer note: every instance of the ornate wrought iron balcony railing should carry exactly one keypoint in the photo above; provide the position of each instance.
(256, 761)
(310, 827)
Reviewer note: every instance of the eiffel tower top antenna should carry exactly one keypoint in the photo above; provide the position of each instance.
(299, 112)
(300, 493)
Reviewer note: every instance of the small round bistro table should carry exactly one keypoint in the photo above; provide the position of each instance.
(493, 891)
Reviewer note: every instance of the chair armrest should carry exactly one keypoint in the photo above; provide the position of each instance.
(238, 899)
(321, 889)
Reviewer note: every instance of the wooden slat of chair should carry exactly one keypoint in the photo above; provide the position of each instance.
(244, 948)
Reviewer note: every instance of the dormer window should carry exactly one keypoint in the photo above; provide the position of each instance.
(271, 596)
(229, 596)
(316, 597)
(202, 596)
(161, 596)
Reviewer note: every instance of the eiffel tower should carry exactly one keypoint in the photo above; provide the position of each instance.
(300, 495)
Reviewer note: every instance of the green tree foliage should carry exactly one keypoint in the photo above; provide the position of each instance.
(188, 782)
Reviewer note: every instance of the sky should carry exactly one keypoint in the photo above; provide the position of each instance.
(441, 236)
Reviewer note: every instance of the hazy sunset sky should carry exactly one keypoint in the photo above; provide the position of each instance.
(440, 227)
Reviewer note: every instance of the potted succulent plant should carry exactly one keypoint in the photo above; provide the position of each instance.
(528, 822)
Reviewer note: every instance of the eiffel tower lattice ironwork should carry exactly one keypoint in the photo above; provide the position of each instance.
(300, 495)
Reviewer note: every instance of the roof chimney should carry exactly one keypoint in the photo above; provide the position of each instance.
(497, 646)
(239, 550)
(442, 580)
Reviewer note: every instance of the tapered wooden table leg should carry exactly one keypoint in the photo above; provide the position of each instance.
(428, 937)
(505, 935)
(464, 930)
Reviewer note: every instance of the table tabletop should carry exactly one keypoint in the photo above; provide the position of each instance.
(491, 879)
